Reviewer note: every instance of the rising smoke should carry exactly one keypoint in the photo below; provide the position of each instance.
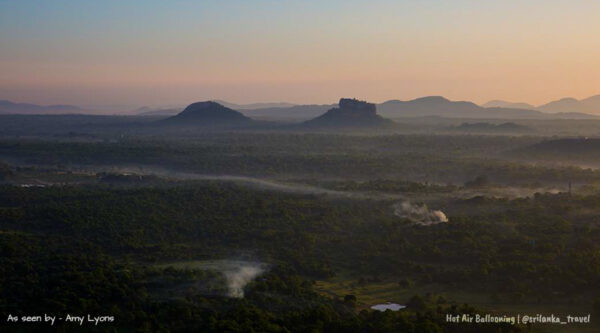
(420, 215)
(239, 277)
(225, 278)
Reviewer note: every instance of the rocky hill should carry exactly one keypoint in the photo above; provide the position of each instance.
(208, 114)
(351, 113)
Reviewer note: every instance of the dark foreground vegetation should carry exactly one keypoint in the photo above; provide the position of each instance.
(93, 249)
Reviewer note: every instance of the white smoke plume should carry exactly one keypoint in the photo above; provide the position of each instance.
(229, 279)
(420, 215)
(239, 277)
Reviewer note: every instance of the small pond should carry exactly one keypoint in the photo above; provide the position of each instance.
(387, 306)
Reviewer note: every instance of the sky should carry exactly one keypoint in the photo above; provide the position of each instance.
(160, 53)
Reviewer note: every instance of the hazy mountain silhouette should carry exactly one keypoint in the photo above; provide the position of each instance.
(569, 104)
(423, 107)
(566, 108)
(294, 113)
(562, 105)
(147, 111)
(8, 107)
(509, 105)
(207, 114)
(351, 113)
(440, 106)
(428, 106)
(592, 103)
(254, 106)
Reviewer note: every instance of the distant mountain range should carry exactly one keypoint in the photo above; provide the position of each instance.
(590, 105)
(440, 106)
(421, 107)
(254, 106)
(266, 107)
(147, 111)
(509, 105)
(8, 107)
(351, 113)
(566, 108)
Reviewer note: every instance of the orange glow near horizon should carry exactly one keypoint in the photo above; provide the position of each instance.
(303, 53)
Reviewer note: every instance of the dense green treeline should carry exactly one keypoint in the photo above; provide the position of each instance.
(433, 159)
(552, 237)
